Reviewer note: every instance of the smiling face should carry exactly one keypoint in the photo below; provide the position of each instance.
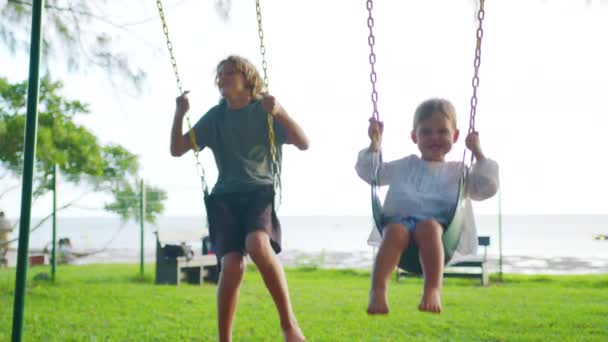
(236, 77)
(231, 81)
(435, 136)
(434, 128)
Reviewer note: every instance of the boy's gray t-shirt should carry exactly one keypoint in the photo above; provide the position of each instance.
(239, 141)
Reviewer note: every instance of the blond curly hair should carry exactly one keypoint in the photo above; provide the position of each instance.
(243, 65)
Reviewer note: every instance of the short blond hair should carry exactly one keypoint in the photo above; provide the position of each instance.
(436, 105)
(243, 65)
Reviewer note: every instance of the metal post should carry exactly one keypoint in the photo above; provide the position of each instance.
(142, 218)
(29, 153)
(54, 239)
(499, 235)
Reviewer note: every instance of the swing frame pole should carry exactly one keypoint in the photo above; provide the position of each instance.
(54, 234)
(142, 219)
(499, 235)
(29, 153)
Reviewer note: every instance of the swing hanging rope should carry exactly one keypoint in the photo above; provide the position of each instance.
(191, 134)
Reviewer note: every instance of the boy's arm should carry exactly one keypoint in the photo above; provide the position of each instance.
(294, 133)
(180, 142)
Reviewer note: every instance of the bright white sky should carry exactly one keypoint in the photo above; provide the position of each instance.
(542, 100)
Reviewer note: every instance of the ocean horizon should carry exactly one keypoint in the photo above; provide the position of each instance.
(341, 241)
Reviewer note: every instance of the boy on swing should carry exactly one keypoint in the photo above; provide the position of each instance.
(242, 218)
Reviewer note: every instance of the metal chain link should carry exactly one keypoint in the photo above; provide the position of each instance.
(377, 155)
(271, 136)
(475, 81)
(476, 64)
(373, 77)
(258, 10)
(200, 168)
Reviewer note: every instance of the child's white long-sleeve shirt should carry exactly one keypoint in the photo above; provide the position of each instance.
(426, 190)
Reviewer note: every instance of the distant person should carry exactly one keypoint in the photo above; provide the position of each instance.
(65, 251)
(5, 229)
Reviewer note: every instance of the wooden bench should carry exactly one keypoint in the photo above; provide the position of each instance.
(480, 263)
(173, 270)
(194, 270)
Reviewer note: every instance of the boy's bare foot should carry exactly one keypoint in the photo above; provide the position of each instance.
(431, 301)
(378, 304)
(293, 334)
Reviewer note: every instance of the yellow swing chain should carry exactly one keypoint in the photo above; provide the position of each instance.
(200, 168)
(273, 149)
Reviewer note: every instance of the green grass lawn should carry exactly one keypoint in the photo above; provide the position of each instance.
(109, 303)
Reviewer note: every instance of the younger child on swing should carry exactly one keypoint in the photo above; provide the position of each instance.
(421, 199)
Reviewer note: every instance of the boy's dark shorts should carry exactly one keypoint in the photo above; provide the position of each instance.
(233, 216)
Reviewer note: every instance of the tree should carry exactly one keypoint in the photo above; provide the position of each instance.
(81, 158)
(66, 36)
(127, 203)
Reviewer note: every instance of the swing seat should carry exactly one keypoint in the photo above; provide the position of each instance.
(410, 260)
(480, 265)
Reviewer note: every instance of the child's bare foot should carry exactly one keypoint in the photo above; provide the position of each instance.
(431, 301)
(293, 334)
(378, 304)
